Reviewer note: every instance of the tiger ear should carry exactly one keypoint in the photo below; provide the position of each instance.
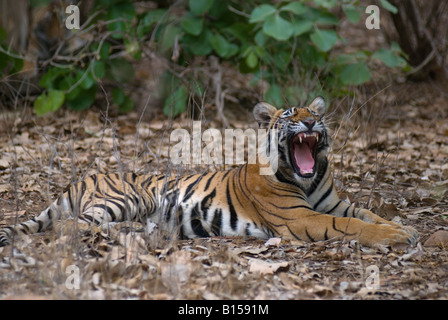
(318, 106)
(263, 113)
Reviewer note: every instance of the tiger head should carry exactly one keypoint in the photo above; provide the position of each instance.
(303, 138)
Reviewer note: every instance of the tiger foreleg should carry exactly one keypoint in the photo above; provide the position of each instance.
(347, 211)
(314, 226)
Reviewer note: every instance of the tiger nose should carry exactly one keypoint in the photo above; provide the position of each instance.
(309, 122)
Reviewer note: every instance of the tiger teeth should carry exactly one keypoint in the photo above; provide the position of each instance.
(305, 135)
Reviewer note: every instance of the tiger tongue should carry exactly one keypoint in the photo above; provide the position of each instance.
(304, 158)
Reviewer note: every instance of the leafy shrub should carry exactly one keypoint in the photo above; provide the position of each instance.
(288, 44)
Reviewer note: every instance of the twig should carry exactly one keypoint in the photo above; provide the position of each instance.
(423, 64)
(244, 14)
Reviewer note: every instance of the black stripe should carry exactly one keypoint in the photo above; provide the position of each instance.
(322, 169)
(180, 222)
(111, 184)
(217, 222)
(337, 204)
(189, 191)
(292, 207)
(50, 214)
(108, 209)
(206, 202)
(196, 224)
(209, 181)
(147, 181)
(116, 201)
(308, 235)
(225, 175)
(86, 217)
(233, 215)
(132, 186)
(247, 230)
(172, 202)
(70, 200)
(346, 211)
(189, 176)
(282, 178)
(290, 231)
(324, 196)
(40, 224)
(26, 228)
(343, 232)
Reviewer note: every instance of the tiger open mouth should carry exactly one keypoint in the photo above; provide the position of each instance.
(303, 153)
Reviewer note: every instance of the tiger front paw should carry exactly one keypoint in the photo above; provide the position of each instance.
(388, 234)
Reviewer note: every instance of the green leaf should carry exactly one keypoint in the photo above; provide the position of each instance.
(261, 12)
(328, 4)
(252, 60)
(301, 26)
(3, 34)
(353, 15)
(176, 103)
(127, 105)
(88, 80)
(389, 6)
(326, 18)
(277, 28)
(99, 69)
(282, 60)
(124, 12)
(218, 9)
(118, 96)
(123, 102)
(49, 102)
(219, 44)
(121, 70)
(390, 58)
(260, 38)
(48, 80)
(324, 39)
(105, 50)
(355, 74)
(152, 16)
(191, 24)
(241, 31)
(169, 34)
(200, 7)
(200, 45)
(274, 95)
(84, 99)
(294, 7)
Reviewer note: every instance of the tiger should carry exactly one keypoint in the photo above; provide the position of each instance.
(297, 201)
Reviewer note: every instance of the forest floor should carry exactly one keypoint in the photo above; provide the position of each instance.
(390, 154)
